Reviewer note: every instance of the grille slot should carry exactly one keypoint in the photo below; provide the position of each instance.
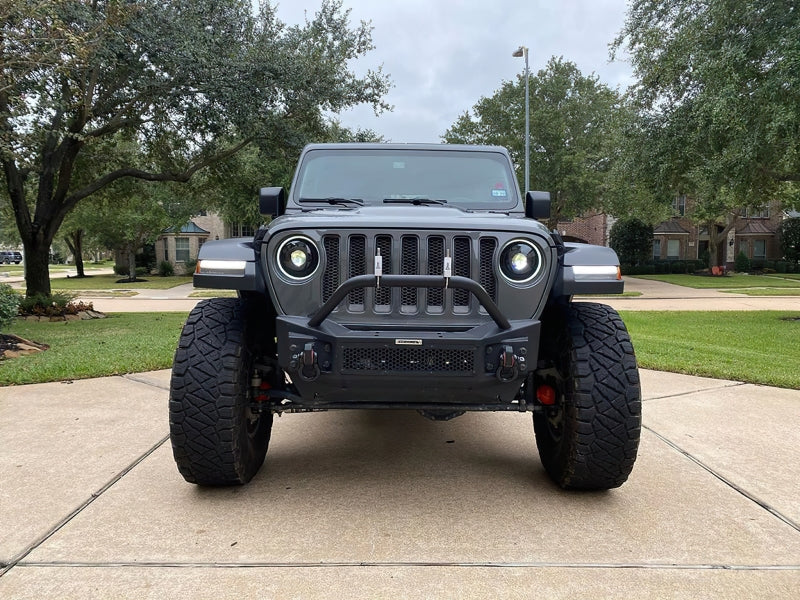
(409, 266)
(383, 296)
(407, 360)
(461, 268)
(488, 280)
(358, 266)
(330, 279)
(435, 264)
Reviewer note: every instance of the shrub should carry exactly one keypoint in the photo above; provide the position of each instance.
(9, 305)
(742, 263)
(56, 305)
(677, 266)
(632, 240)
(782, 266)
(165, 269)
(189, 266)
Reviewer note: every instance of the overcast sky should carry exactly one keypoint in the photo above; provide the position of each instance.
(444, 55)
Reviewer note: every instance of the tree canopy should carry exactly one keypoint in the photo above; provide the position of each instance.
(570, 118)
(719, 98)
(193, 82)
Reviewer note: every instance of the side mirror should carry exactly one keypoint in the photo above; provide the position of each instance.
(537, 205)
(271, 201)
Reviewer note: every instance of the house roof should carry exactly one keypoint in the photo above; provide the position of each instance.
(755, 228)
(670, 228)
(190, 227)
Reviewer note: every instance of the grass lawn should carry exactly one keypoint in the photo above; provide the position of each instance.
(120, 343)
(756, 347)
(734, 281)
(109, 282)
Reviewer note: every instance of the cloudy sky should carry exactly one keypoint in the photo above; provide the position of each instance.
(444, 55)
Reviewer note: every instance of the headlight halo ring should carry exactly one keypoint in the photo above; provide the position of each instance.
(520, 261)
(298, 258)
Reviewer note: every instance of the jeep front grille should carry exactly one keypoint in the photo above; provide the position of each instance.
(409, 254)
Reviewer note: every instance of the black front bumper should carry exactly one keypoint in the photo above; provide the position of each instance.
(480, 367)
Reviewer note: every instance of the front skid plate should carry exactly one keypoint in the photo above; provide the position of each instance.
(333, 364)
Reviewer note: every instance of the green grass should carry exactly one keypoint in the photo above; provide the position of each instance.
(755, 347)
(735, 281)
(109, 282)
(120, 343)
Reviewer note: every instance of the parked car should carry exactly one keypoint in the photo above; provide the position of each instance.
(10, 256)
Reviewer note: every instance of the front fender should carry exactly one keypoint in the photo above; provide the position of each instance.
(588, 269)
(229, 264)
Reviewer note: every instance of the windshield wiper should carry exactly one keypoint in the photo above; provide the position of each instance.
(419, 200)
(356, 201)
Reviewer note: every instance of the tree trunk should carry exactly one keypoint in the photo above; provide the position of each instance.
(74, 241)
(129, 248)
(37, 272)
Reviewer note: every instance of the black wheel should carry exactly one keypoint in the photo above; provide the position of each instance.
(219, 437)
(589, 437)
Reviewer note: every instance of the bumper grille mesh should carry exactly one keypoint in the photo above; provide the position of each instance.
(407, 360)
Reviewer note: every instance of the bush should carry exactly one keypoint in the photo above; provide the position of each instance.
(9, 305)
(57, 304)
(165, 269)
(189, 266)
(782, 266)
(632, 240)
(742, 263)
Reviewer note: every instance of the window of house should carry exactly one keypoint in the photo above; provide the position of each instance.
(200, 242)
(743, 248)
(242, 230)
(759, 249)
(673, 248)
(679, 205)
(166, 248)
(656, 249)
(181, 249)
(761, 212)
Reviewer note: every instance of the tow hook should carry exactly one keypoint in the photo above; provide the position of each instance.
(309, 370)
(509, 367)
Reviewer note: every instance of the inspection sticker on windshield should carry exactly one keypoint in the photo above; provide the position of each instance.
(499, 191)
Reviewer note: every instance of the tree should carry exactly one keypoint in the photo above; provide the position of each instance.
(193, 82)
(719, 95)
(789, 236)
(632, 239)
(570, 118)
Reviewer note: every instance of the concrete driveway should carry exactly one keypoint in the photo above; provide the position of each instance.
(390, 505)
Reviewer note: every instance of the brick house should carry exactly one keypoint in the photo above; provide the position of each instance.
(754, 233)
(592, 228)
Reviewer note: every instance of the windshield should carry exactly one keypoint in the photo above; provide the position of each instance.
(468, 179)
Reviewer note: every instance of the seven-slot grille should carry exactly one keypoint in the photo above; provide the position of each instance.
(349, 255)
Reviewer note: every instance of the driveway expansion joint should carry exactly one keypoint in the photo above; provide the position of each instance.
(411, 564)
(773, 511)
(5, 568)
(134, 378)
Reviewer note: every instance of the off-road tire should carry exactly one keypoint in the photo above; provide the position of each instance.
(216, 438)
(590, 438)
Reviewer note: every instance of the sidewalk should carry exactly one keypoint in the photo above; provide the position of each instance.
(390, 505)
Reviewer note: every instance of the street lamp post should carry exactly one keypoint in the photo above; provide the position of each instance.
(522, 51)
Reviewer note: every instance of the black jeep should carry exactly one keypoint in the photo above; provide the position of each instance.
(406, 277)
